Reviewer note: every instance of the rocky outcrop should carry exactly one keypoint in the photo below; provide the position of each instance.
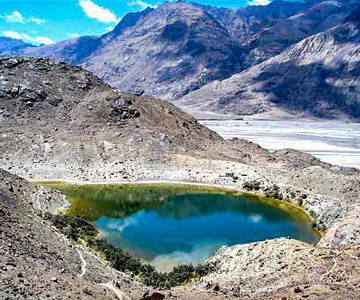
(283, 268)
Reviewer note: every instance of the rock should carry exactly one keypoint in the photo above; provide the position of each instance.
(216, 288)
(303, 196)
(153, 295)
(297, 290)
(54, 279)
(12, 62)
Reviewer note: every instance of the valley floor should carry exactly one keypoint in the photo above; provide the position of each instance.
(331, 141)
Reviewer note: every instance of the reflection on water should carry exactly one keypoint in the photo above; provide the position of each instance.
(168, 225)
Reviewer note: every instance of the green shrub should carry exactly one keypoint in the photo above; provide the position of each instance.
(75, 228)
(274, 192)
(252, 185)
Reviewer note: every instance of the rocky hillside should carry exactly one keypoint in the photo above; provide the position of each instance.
(79, 118)
(35, 261)
(61, 122)
(180, 46)
(75, 126)
(316, 77)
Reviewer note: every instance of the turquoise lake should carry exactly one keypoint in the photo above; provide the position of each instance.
(167, 225)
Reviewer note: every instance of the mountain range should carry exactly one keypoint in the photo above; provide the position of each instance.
(297, 57)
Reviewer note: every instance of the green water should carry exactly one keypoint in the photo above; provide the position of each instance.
(168, 225)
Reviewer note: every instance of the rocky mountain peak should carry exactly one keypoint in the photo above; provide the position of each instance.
(130, 20)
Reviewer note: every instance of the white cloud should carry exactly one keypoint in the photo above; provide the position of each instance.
(73, 35)
(40, 40)
(17, 17)
(141, 4)
(97, 12)
(12, 34)
(25, 37)
(37, 21)
(259, 2)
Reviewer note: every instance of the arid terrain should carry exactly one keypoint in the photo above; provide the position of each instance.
(337, 143)
(294, 57)
(61, 122)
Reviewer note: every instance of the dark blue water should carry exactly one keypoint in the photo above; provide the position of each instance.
(170, 225)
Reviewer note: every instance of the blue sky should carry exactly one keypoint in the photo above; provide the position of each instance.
(48, 21)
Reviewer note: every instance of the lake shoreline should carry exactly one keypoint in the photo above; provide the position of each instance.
(212, 188)
(91, 201)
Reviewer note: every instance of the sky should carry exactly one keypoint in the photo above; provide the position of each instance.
(48, 21)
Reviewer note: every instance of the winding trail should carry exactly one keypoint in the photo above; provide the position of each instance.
(332, 269)
(83, 265)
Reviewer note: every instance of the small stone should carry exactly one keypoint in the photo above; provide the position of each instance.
(297, 290)
(53, 279)
(216, 288)
(153, 295)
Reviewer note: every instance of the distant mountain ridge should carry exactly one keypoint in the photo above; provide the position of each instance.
(179, 47)
(9, 45)
(319, 76)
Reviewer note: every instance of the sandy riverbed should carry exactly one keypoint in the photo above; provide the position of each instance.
(333, 142)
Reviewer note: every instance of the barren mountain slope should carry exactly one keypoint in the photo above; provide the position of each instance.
(61, 121)
(165, 52)
(178, 47)
(278, 34)
(316, 77)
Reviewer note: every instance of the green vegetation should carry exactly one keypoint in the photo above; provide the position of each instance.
(77, 229)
